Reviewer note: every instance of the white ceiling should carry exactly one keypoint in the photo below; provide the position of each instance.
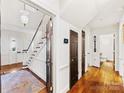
(10, 18)
(110, 14)
(95, 13)
(78, 13)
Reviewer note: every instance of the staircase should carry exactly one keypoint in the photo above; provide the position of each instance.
(38, 47)
(42, 39)
(38, 41)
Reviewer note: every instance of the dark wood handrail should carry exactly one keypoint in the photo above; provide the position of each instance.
(34, 34)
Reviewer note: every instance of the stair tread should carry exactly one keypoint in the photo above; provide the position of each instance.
(40, 43)
(37, 47)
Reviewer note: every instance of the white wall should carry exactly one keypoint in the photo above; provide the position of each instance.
(21, 40)
(121, 49)
(63, 56)
(38, 65)
(88, 47)
(106, 46)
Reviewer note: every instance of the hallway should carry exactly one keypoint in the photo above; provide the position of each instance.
(62, 46)
(99, 80)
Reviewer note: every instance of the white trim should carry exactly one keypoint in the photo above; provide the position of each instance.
(32, 4)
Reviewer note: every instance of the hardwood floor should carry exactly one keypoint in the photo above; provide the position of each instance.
(43, 90)
(24, 79)
(10, 67)
(24, 82)
(99, 80)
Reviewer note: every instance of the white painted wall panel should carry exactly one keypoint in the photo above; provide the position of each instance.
(88, 47)
(38, 65)
(121, 50)
(7, 55)
(106, 46)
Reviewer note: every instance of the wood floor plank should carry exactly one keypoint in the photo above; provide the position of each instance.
(24, 81)
(43, 90)
(99, 80)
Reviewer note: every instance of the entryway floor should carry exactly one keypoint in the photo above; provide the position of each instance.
(21, 81)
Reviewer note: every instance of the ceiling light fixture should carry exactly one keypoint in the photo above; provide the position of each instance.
(24, 16)
(51, 23)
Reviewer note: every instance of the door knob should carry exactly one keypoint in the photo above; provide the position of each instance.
(72, 60)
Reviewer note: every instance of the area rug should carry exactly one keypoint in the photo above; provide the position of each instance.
(20, 82)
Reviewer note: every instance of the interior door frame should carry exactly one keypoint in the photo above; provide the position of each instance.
(70, 60)
(114, 52)
(83, 35)
(49, 63)
(49, 44)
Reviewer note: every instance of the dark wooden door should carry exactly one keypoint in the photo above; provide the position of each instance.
(83, 52)
(73, 58)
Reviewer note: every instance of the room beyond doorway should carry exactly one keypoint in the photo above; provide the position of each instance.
(107, 48)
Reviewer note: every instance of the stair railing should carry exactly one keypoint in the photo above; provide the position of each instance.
(25, 50)
(38, 41)
(34, 47)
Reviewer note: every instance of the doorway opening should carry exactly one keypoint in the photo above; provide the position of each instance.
(107, 49)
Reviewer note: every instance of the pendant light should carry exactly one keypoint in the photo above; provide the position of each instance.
(24, 16)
